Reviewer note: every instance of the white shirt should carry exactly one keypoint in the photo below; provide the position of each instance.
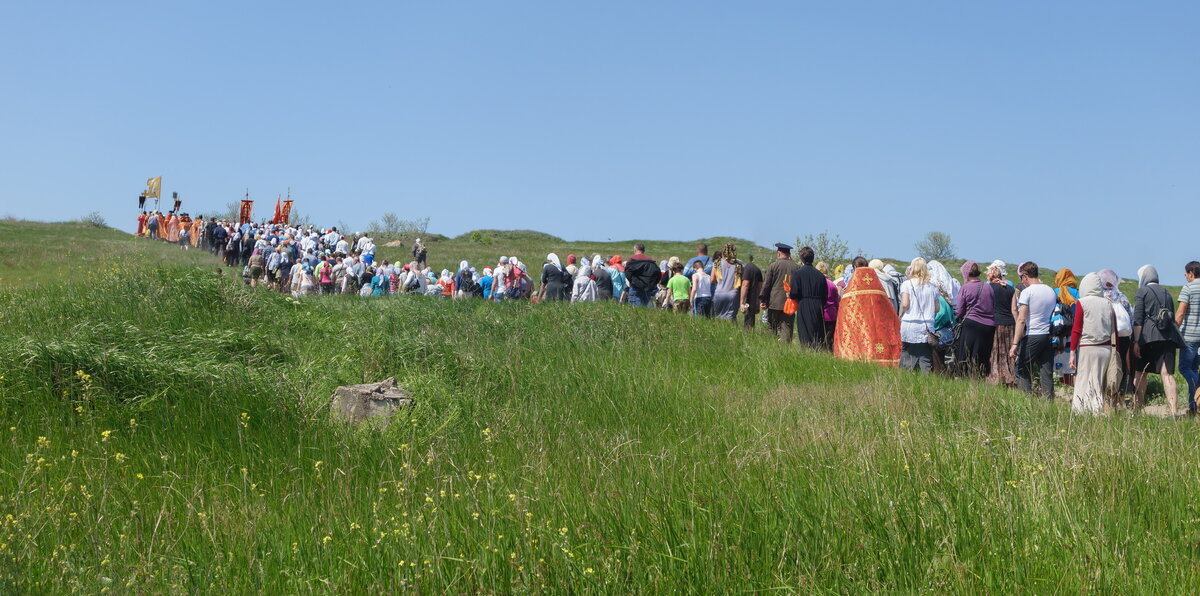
(917, 321)
(1040, 299)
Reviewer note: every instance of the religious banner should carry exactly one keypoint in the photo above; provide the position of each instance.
(287, 212)
(247, 206)
(153, 185)
(278, 217)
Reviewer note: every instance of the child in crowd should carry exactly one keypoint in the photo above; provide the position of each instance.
(680, 287)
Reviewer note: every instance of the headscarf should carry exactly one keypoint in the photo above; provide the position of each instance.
(1111, 283)
(1147, 274)
(998, 264)
(585, 263)
(965, 270)
(847, 274)
(615, 260)
(672, 262)
(943, 280)
(553, 258)
(1065, 279)
(446, 275)
(597, 260)
(876, 264)
(463, 265)
(570, 259)
(1090, 286)
(662, 266)
(585, 272)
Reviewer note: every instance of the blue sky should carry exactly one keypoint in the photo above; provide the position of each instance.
(1065, 132)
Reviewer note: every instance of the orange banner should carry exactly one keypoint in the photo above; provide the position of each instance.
(247, 207)
(286, 214)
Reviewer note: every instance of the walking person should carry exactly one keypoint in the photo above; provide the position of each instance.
(752, 280)
(727, 274)
(773, 297)
(680, 288)
(702, 292)
(1035, 307)
(810, 290)
(584, 288)
(1155, 338)
(976, 309)
(1002, 370)
(554, 280)
(919, 305)
(642, 275)
(831, 303)
(1187, 317)
(1092, 335)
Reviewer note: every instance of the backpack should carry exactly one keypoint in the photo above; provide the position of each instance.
(1062, 320)
(1161, 316)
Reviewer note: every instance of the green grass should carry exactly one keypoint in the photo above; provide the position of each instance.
(34, 252)
(166, 430)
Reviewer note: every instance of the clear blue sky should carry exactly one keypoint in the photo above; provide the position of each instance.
(1066, 132)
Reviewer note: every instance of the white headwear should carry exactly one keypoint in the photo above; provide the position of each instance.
(998, 264)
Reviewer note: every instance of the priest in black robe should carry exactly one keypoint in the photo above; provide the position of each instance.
(810, 292)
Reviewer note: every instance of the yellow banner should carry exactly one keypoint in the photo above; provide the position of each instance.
(153, 186)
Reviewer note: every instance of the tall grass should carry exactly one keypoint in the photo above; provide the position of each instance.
(166, 430)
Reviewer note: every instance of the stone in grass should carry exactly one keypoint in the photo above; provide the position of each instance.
(373, 403)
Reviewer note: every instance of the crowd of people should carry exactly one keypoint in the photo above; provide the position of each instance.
(1020, 333)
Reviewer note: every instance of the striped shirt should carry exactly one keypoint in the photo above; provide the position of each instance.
(1190, 294)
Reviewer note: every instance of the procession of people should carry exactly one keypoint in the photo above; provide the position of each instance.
(1022, 334)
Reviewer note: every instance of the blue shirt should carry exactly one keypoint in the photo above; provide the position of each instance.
(688, 269)
(486, 282)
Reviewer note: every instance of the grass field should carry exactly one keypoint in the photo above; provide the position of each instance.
(165, 430)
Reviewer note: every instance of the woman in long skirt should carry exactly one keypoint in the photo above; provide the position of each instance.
(1004, 297)
(1092, 338)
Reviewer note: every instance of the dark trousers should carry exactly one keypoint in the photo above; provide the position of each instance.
(975, 348)
(916, 357)
(780, 324)
(749, 318)
(1038, 359)
(703, 306)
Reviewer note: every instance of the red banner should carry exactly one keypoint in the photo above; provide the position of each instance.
(247, 207)
(286, 214)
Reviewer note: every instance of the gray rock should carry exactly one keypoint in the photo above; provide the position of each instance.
(370, 403)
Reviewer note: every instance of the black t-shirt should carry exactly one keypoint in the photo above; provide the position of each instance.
(752, 274)
(1002, 295)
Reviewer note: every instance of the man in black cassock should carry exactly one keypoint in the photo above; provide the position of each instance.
(810, 291)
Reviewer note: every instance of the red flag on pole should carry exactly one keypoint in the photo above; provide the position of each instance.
(278, 212)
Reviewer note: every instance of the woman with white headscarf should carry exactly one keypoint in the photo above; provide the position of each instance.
(1092, 337)
(1155, 337)
(554, 279)
(584, 289)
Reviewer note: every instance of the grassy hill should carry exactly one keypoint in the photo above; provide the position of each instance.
(165, 430)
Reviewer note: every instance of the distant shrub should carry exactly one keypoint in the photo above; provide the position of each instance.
(481, 238)
(827, 247)
(937, 246)
(94, 218)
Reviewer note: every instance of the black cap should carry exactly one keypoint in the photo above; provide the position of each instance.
(783, 247)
